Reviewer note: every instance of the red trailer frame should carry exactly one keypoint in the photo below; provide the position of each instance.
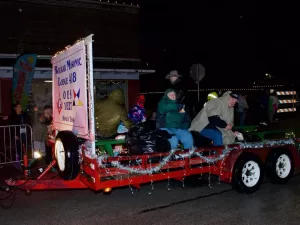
(97, 177)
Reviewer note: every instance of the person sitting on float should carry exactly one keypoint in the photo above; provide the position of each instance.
(172, 118)
(137, 114)
(215, 120)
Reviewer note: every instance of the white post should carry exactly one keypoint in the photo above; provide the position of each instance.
(89, 43)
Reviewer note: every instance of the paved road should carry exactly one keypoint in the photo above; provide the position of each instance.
(196, 203)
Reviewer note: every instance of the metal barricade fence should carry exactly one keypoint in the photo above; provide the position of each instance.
(15, 140)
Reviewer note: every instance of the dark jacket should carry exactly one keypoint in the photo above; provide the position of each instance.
(264, 100)
(180, 89)
(168, 115)
(18, 119)
(183, 97)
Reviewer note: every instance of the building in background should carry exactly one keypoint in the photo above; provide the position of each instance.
(45, 27)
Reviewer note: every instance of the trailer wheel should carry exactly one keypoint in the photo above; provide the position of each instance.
(67, 155)
(248, 174)
(280, 166)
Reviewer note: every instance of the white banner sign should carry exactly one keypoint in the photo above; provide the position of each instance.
(70, 90)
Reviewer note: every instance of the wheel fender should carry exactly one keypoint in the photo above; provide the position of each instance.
(227, 165)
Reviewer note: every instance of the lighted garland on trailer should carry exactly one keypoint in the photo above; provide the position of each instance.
(110, 82)
(192, 152)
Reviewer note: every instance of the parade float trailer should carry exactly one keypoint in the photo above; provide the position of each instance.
(75, 145)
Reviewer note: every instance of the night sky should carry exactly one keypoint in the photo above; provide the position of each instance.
(236, 42)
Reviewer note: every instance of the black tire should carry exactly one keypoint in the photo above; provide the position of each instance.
(280, 167)
(69, 155)
(247, 174)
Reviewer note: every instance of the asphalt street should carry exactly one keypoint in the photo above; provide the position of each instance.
(195, 203)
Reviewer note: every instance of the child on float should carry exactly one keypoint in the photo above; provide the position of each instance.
(137, 114)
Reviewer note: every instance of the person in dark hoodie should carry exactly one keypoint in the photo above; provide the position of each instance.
(19, 117)
(172, 118)
(48, 118)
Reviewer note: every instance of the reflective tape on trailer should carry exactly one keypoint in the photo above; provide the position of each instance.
(286, 92)
(286, 110)
(287, 101)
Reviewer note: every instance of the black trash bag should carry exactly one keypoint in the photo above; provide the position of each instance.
(141, 140)
(162, 143)
(199, 140)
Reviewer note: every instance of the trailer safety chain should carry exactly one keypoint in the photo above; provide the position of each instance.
(225, 152)
(8, 192)
(7, 197)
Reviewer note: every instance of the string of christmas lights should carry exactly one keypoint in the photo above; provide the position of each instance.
(164, 162)
(110, 82)
(119, 3)
(268, 86)
(214, 89)
(41, 85)
(191, 152)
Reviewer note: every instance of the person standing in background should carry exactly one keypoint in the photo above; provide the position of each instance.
(19, 132)
(273, 105)
(40, 132)
(242, 108)
(210, 96)
(48, 117)
(263, 108)
(178, 85)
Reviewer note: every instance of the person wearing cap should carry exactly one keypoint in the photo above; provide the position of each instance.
(215, 120)
(176, 84)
